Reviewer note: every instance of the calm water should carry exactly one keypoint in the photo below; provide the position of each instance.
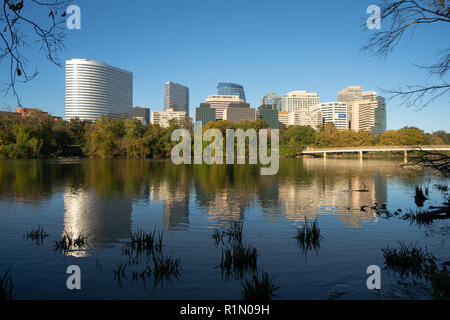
(108, 199)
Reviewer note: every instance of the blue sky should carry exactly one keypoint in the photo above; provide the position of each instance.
(266, 46)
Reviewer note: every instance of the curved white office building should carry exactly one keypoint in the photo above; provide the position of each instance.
(95, 88)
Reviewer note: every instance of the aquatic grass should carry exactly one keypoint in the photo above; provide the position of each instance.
(233, 233)
(71, 242)
(218, 237)
(37, 235)
(237, 260)
(146, 242)
(119, 273)
(6, 286)
(440, 284)
(308, 236)
(408, 260)
(165, 267)
(420, 217)
(259, 287)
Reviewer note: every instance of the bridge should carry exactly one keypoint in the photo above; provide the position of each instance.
(361, 150)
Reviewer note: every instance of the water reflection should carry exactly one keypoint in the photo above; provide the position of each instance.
(103, 220)
(98, 194)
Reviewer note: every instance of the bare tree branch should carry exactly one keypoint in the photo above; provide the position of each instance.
(403, 17)
(16, 26)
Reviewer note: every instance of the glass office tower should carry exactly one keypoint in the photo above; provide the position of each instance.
(233, 89)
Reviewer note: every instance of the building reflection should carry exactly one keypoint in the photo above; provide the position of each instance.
(175, 202)
(104, 219)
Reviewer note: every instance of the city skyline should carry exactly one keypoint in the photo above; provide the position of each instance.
(320, 70)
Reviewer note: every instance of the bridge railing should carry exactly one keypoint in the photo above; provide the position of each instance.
(387, 148)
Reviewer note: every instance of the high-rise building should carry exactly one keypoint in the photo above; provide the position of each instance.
(298, 101)
(162, 118)
(238, 112)
(334, 112)
(176, 97)
(283, 118)
(369, 115)
(271, 99)
(312, 118)
(142, 114)
(366, 110)
(232, 89)
(269, 115)
(220, 102)
(95, 88)
(205, 113)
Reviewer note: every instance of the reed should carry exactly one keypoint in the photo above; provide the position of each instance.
(165, 267)
(308, 235)
(408, 260)
(6, 286)
(237, 260)
(71, 242)
(37, 235)
(259, 287)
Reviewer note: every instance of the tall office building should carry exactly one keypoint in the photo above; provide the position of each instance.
(176, 97)
(220, 102)
(238, 112)
(283, 118)
(233, 89)
(271, 99)
(162, 118)
(142, 114)
(205, 113)
(312, 118)
(366, 110)
(95, 88)
(269, 115)
(334, 112)
(369, 115)
(299, 101)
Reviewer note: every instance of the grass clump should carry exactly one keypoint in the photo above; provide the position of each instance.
(237, 260)
(37, 235)
(308, 236)
(234, 234)
(165, 267)
(408, 260)
(6, 286)
(70, 242)
(259, 287)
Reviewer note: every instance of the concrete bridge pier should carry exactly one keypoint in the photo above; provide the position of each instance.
(405, 156)
(325, 156)
(360, 155)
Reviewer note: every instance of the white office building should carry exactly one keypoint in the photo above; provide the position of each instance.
(299, 101)
(163, 117)
(283, 118)
(312, 118)
(176, 97)
(95, 88)
(221, 102)
(334, 112)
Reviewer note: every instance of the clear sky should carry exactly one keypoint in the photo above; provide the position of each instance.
(266, 46)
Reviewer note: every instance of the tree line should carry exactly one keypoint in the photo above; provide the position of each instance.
(39, 136)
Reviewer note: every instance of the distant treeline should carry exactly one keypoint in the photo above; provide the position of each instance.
(40, 136)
